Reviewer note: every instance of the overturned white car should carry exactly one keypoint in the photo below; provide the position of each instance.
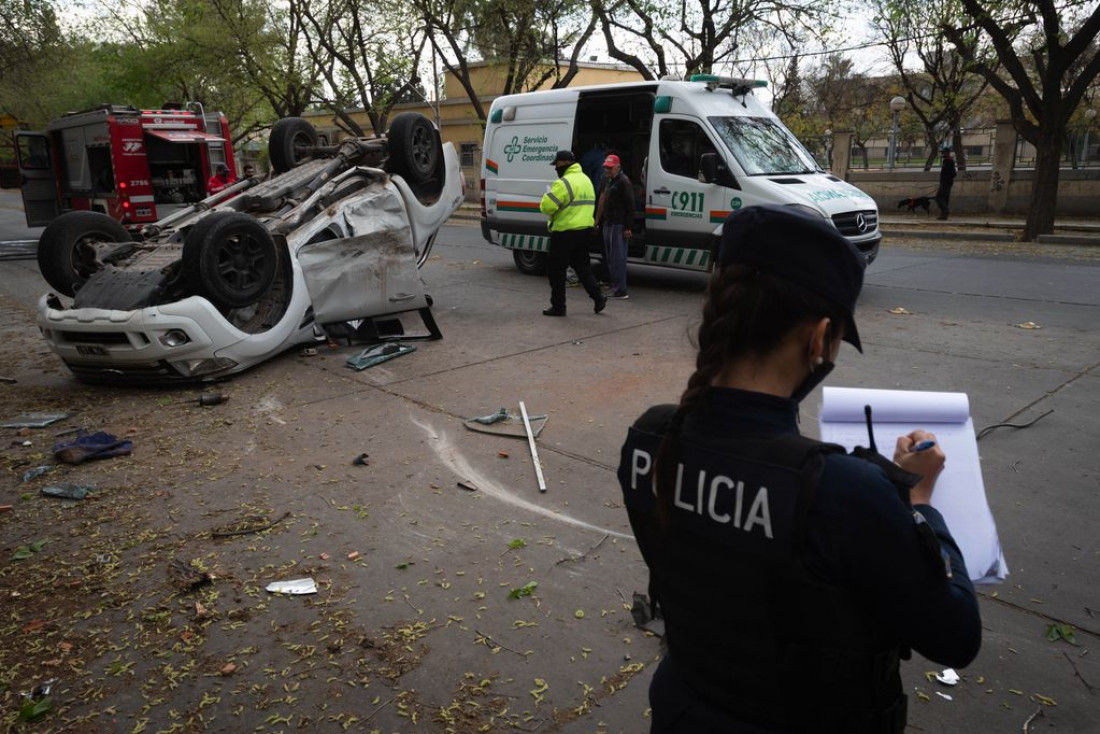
(327, 246)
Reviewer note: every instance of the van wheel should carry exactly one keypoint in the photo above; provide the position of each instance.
(230, 259)
(416, 153)
(530, 263)
(75, 245)
(291, 143)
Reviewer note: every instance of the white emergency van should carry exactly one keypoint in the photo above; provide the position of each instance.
(695, 151)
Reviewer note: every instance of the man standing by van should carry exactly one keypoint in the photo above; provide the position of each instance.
(570, 204)
(614, 216)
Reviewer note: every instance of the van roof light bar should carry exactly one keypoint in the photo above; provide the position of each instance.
(737, 87)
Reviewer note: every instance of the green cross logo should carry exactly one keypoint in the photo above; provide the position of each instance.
(512, 148)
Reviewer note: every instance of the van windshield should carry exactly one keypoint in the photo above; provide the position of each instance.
(763, 147)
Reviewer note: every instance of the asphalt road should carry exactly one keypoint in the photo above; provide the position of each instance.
(1015, 330)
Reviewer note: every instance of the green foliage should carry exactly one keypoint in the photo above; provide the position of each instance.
(525, 590)
(1057, 632)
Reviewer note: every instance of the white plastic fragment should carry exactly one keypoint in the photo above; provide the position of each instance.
(944, 695)
(948, 677)
(297, 586)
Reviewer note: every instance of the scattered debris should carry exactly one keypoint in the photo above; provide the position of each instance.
(67, 491)
(38, 701)
(503, 454)
(353, 555)
(5, 508)
(36, 472)
(378, 354)
(308, 352)
(468, 486)
(1027, 724)
(35, 420)
(948, 677)
(212, 398)
(361, 460)
(982, 433)
(246, 527)
(531, 443)
(228, 669)
(944, 695)
(898, 310)
(504, 423)
(295, 587)
(187, 577)
(1028, 325)
(87, 447)
(8, 380)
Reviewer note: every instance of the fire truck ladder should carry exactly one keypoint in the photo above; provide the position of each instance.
(215, 151)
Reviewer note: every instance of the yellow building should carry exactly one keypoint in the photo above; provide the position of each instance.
(455, 116)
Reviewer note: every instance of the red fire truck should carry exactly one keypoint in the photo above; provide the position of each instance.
(133, 165)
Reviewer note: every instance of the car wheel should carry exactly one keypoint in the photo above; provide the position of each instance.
(416, 153)
(530, 263)
(230, 259)
(291, 143)
(67, 252)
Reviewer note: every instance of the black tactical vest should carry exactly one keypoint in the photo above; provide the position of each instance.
(748, 626)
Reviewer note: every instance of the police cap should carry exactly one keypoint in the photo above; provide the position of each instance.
(800, 248)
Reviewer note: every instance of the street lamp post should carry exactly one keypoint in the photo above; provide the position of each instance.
(897, 104)
(829, 149)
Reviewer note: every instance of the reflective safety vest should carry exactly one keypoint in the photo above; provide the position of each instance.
(571, 201)
(750, 629)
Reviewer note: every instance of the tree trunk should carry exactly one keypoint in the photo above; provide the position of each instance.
(1044, 191)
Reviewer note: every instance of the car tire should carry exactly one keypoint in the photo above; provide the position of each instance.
(529, 262)
(415, 152)
(64, 258)
(291, 143)
(230, 259)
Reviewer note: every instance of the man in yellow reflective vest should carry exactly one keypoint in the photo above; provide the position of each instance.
(571, 205)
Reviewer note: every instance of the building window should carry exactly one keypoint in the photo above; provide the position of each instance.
(469, 150)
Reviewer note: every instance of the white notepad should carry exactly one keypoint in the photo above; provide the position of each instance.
(960, 492)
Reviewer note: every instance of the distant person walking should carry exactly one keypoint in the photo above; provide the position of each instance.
(947, 180)
(614, 215)
(570, 204)
(219, 181)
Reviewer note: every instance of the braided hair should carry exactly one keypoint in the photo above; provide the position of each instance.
(746, 313)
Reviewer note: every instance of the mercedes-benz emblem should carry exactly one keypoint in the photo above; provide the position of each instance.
(861, 222)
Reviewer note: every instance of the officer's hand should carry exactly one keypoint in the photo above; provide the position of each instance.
(627, 234)
(927, 463)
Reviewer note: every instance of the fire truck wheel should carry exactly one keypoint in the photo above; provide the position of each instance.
(67, 251)
(416, 153)
(230, 259)
(291, 142)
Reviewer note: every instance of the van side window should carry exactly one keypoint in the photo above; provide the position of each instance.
(682, 143)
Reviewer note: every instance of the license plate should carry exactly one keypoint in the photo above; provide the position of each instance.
(91, 350)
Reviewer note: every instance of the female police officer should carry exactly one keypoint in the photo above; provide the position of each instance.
(792, 577)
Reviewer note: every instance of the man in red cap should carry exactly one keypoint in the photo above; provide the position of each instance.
(614, 216)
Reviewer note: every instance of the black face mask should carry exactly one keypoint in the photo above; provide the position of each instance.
(816, 377)
(561, 170)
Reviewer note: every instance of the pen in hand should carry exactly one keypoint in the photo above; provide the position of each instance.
(922, 446)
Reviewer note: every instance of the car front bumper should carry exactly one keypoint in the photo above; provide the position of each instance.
(187, 340)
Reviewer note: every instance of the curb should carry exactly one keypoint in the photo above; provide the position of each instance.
(942, 235)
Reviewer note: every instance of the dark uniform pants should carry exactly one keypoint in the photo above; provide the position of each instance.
(570, 249)
(943, 199)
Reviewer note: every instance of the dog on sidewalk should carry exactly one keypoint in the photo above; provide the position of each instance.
(913, 202)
